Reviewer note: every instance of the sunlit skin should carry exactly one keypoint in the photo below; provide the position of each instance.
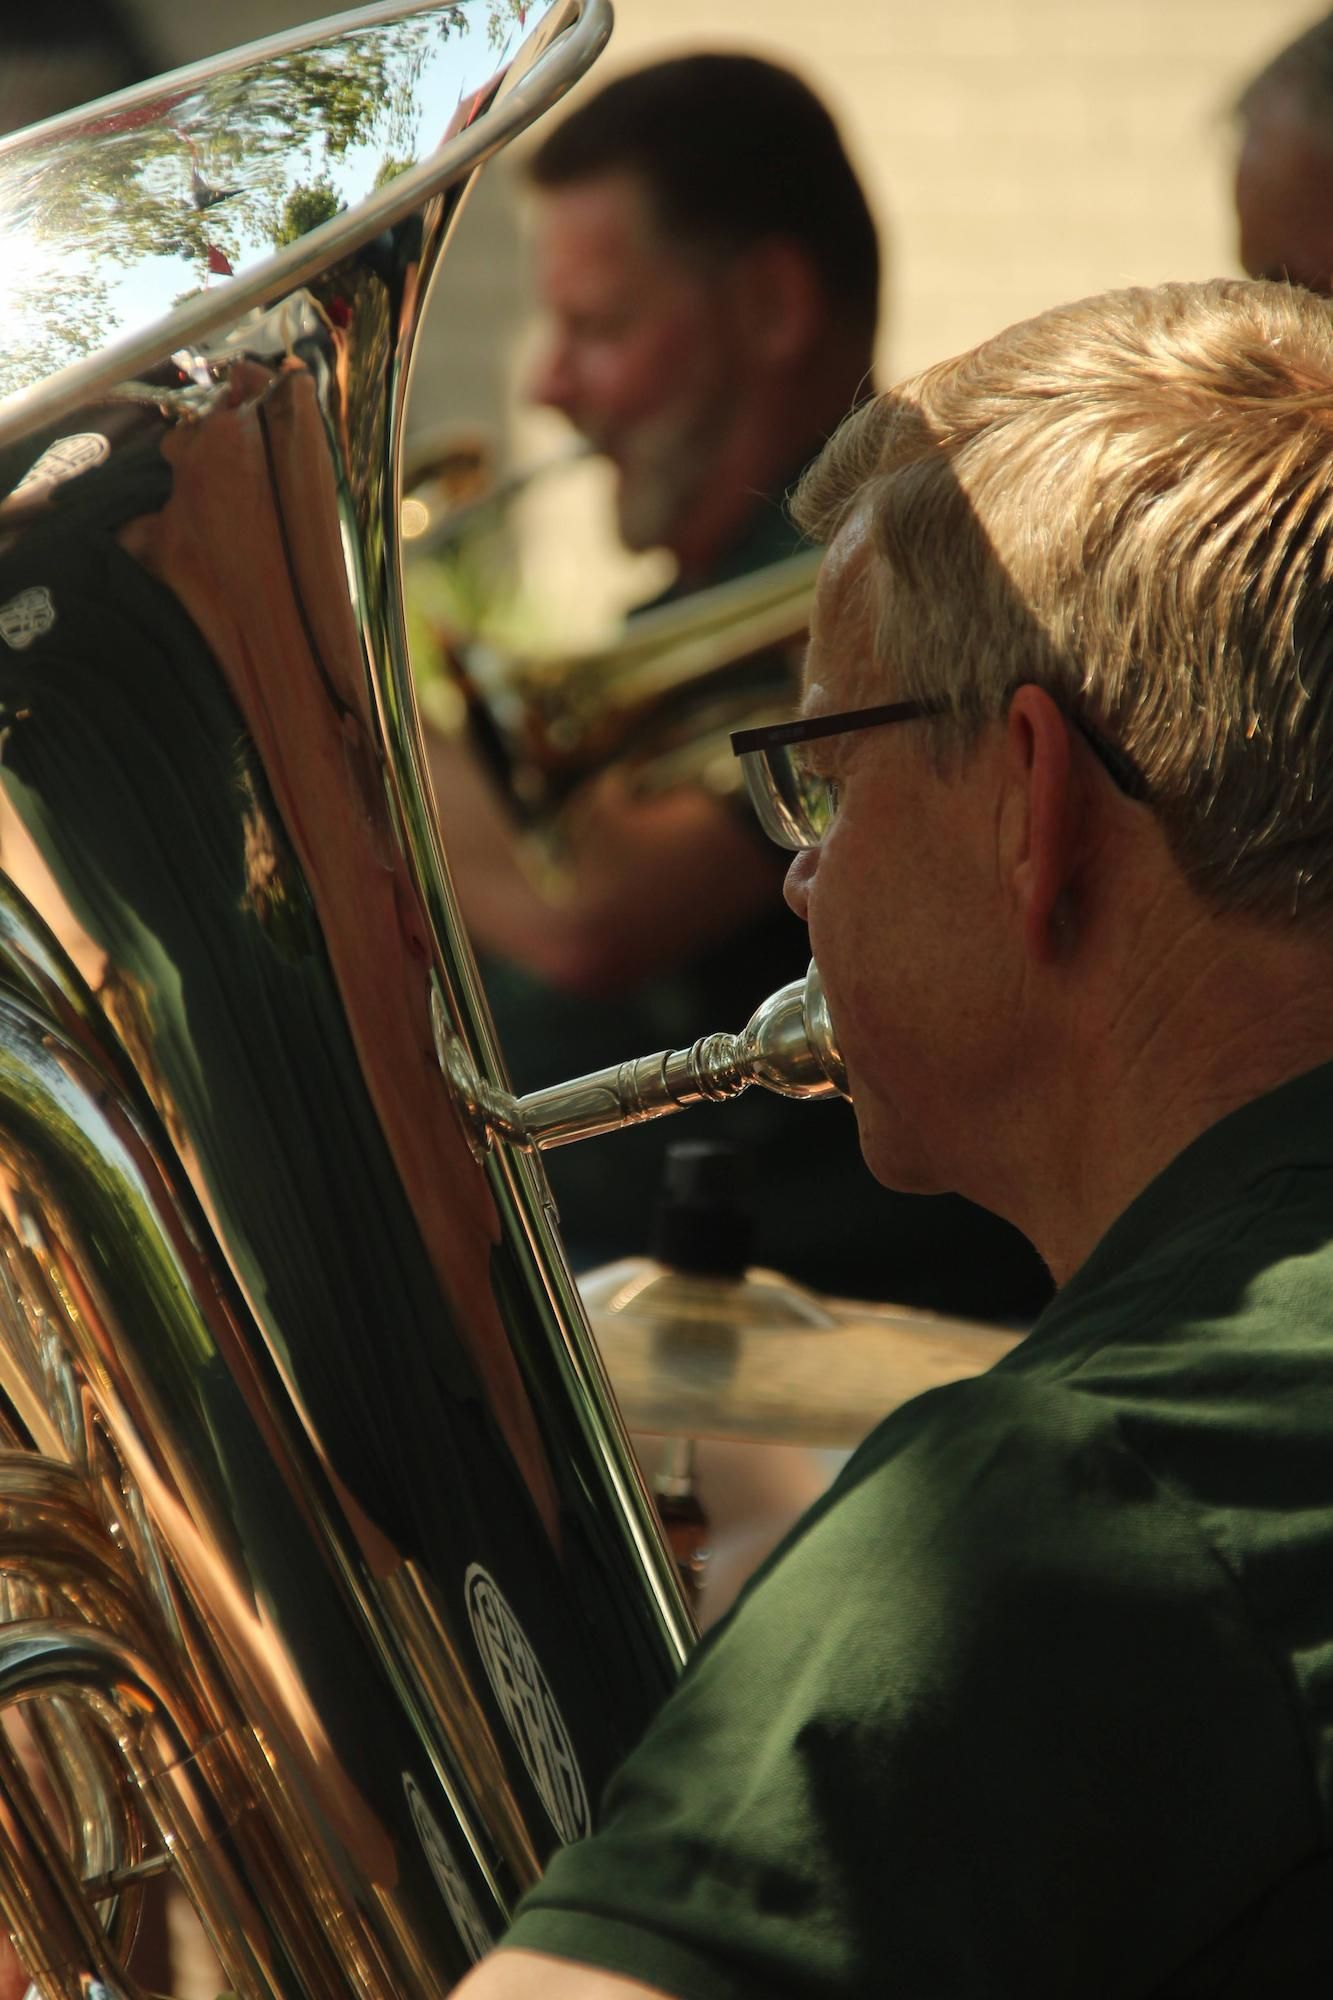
(1035, 1008)
(1284, 195)
(914, 931)
(531, 1975)
(638, 355)
(703, 377)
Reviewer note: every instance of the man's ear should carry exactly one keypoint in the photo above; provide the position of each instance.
(779, 300)
(1044, 836)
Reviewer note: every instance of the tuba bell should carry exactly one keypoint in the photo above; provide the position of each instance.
(329, 1583)
(329, 1578)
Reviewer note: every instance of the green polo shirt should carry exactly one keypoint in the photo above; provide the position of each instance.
(1038, 1701)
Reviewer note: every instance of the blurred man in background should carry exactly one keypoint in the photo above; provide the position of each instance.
(1284, 177)
(710, 274)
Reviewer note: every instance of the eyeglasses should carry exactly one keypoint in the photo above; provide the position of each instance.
(796, 803)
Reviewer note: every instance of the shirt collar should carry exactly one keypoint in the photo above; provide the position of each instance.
(1291, 1126)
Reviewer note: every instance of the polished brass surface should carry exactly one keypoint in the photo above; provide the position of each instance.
(317, 1520)
(788, 1047)
(762, 1360)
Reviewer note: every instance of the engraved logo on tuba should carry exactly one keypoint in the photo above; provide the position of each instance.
(26, 617)
(461, 1902)
(65, 459)
(528, 1705)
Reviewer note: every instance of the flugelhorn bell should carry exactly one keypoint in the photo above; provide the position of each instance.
(657, 704)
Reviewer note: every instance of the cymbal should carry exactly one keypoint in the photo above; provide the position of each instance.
(762, 1358)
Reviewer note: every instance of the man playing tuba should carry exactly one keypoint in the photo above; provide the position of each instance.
(1037, 1701)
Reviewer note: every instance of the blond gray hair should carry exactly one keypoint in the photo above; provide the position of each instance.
(1128, 501)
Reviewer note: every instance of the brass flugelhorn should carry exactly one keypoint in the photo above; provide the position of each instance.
(656, 704)
(660, 701)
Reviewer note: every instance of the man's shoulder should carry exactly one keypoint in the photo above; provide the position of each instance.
(1002, 1615)
(1156, 1425)
(1233, 1228)
(1238, 1286)
(1040, 1598)
(1018, 1473)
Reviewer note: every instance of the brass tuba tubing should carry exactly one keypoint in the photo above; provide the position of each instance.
(176, 1778)
(49, 1533)
(106, 1833)
(657, 704)
(42, 1901)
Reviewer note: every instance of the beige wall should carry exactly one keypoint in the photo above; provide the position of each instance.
(1020, 152)
(1017, 152)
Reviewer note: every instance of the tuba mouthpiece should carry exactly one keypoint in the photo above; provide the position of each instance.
(788, 1047)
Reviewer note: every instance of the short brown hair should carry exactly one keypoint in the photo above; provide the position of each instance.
(1302, 72)
(1128, 501)
(731, 150)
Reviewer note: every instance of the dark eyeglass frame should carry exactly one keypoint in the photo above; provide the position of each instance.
(777, 735)
(1120, 767)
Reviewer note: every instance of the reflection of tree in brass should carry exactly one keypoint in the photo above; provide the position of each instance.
(270, 894)
(389, 170)
(371, 312)
(210, 177)
(304, 209)
(61, 320)
(504, 18)
(125, 1002)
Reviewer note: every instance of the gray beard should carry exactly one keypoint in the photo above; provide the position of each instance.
(651, 502)
(660, 484)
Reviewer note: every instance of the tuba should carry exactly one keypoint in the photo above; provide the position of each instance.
(329, 1584)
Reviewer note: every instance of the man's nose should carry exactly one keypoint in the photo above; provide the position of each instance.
(796, 887)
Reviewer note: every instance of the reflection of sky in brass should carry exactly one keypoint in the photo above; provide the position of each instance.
(114, 217)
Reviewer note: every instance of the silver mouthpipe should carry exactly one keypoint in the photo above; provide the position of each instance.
(788, 1047)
